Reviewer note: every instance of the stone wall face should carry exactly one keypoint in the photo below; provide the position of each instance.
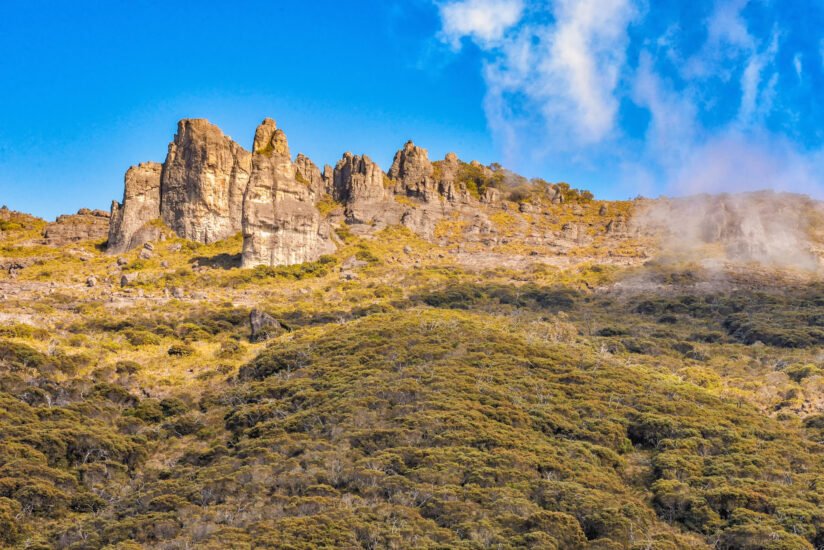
(280, 222)
(141, 204)
(203, 182)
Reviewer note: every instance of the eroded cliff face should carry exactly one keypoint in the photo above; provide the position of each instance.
(203, 183)
(280, 222)
(141, 204)
(359, 185)
(209, 188)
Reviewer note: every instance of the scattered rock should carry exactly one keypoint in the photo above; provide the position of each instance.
(127, 278)
(91, 281)
(264, 326)
(177, 292)
(145, 254)
(121, 261)
(352, 263)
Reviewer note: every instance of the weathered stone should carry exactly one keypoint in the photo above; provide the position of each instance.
(145, 254)
(203, 182)
(91, 281)
(352, 263)
(83, 226)
(264, 326)
(141, 204)
(280, 222)
(359, 184)
(413, 172)
(127, 278)
(309, 174)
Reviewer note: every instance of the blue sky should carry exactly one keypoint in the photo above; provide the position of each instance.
(622, 97)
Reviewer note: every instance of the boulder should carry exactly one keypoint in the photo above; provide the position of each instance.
(264, 326)
(280, 222)
(203, 183)
(127, 278)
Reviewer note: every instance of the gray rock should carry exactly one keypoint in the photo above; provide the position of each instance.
(352, 263)
(280, 222)
(264, 326)
(359, 184)
(91, 281)
(127, 278)
(74, 228)
(177, 292)
(141, 204)
(145, 254)
(203, 182)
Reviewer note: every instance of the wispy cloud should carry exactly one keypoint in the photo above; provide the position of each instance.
(559, 73)
(485, 21)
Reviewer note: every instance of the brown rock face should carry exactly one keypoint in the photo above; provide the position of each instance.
(280, 222)
(86, 225)
(359, 184)
(413, 171)
(141, 204)
(309, 173)
(203, 182)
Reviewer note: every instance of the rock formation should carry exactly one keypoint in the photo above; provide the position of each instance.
(280, 222)
(209, 187)
(141, 204)
(359, 185)
(86, 225)
(203, 182)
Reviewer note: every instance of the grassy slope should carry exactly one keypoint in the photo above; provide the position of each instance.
(412, 407)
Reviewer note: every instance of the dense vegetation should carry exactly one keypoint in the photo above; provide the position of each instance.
(415, 406)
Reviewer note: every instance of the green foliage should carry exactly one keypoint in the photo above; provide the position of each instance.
(181, 350)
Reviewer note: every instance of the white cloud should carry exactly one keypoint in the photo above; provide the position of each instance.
(751, 83)
(566, 69)
(485, 21)
(557, 73)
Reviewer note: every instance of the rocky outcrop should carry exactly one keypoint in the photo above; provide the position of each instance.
(209, 187)
(412, 171)
(141, 204)
(308, 173)
(280, 222)
(264, 326)
(203, 183)
(358, 183)
(86, 225)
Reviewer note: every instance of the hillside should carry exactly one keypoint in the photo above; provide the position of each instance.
(539, 369)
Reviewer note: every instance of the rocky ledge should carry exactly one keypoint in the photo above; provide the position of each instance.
(210, 188)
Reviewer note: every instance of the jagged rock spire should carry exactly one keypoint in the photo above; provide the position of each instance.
(280, 222)
(141, 204)
(203, 182)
